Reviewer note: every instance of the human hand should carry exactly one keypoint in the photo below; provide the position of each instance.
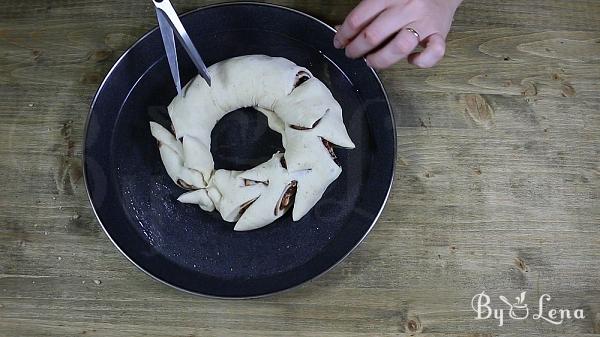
(387, 31)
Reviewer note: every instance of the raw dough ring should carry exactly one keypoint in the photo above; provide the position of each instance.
(298, 106)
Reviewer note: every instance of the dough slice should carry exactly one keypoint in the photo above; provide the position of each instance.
(306, 104)
(233, 193)
(312, 186)
(197, 156)
(199, 197)
(266, 208)
(171, 153)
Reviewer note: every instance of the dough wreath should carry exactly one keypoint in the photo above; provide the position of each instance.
(297, 105)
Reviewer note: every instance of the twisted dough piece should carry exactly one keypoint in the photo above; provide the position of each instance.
(298, 106)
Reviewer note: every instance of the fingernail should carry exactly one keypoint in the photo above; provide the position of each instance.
(337, 43)
(337, 27)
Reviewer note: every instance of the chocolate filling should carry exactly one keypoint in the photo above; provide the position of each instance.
(301, 77)
(181, 183)
(298, 127)
(249, 182)
(288, 197)
(283, 162)
(246, 205)
(329, 146)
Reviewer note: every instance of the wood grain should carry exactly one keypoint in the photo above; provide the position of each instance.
(497, 185)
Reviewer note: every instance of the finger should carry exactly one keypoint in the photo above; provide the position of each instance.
(382, 28)
(435, 47)
(358, 19)
(398, 48)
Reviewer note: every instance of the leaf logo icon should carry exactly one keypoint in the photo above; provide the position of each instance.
(521, 298)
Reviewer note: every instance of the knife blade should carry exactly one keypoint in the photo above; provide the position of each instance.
(177, 29)
(169, 41)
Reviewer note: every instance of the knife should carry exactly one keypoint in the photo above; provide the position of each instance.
(170, 26)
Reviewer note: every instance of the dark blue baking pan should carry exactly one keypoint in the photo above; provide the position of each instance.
(196, 251)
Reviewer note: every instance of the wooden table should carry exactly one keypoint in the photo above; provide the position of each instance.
(497, 185)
